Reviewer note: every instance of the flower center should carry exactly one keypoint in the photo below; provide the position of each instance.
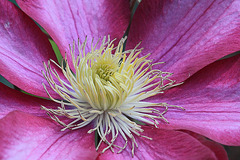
(104, 68)
(109, 90)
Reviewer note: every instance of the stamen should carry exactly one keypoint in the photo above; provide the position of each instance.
(108, 86)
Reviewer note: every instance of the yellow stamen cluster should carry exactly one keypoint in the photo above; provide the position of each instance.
(108, 89)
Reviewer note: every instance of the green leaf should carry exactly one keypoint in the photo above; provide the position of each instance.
(56, 51)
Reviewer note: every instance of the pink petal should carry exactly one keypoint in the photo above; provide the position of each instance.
(187, 35)
(168, 145)
(23, 48)
(12, 100)
(211, 100)
(23, 136)
(67, 21)
(217, 149)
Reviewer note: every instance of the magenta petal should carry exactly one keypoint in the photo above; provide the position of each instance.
(67, 21)
(211, 100)
(219, 150)
(23, 48)
(187, 35)
(12, 100)
(167, 145)
(23, 136)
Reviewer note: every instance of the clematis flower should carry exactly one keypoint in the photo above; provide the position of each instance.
(188, 36)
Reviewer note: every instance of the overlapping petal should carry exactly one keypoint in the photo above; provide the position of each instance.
(187, 35)
(23, 49)
(211, 100)
(169, 144)
(217, 149)
(70, 20)
(24, 136)
(12, 100)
